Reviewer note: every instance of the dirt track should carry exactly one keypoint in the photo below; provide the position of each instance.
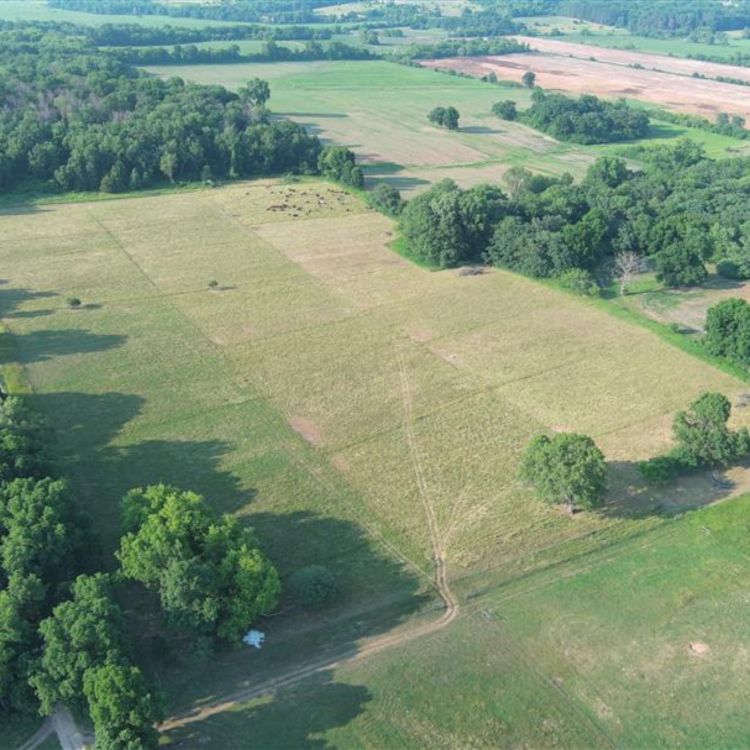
(560, 72)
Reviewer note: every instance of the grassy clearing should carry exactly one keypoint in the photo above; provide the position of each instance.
(282, 397)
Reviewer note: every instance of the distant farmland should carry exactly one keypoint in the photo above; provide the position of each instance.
(578, 69)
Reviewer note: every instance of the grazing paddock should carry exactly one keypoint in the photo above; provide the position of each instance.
(336, 396)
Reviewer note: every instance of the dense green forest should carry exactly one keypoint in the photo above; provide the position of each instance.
(680, 211)
(82, 120)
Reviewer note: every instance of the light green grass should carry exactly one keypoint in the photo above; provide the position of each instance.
(674, 47)
(593, 651)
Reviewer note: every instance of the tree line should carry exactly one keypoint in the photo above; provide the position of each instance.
(679, 212)
(134, 34)
(644, 17)
(271, 52)
(584, 120)
(262, 11)
(63, 637)
(78, 119)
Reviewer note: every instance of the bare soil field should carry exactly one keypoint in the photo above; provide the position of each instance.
(661, 63)
(585, 76)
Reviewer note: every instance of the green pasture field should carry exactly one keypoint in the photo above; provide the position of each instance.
(37, 10)
(336, 396)
(380, 110)
(642, 645)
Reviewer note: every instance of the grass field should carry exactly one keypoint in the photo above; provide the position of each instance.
(380, 110)
(336, 396)
(641, 646)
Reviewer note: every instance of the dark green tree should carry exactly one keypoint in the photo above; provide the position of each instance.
(386, 199)
(702, 435)
(506, 110)
(529, 79)
(210, 575)
(339, 163)
(314, 587)
(84, 632)
(680, 264)
(566, 469)
(256, 92)
(122, 707)
(728, 331)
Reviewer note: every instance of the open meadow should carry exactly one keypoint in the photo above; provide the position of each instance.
(361, 412)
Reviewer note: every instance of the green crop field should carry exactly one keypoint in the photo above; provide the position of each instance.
(365, 413)
(380, 110)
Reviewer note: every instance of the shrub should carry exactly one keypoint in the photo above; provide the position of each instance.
(313, 587)
(580, 282)
(505, 110)
(661, 469)
(386, 199)
(73, 302)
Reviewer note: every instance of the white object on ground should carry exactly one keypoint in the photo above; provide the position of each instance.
(254, 638)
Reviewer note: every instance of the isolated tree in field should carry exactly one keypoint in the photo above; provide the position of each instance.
(529, 79)
(506, 110)
(314, 587)
(627, 264)
(702, 435)
(83, 632)
(256, 92)
(567, 469)
(209, 573)
(445, 117)
(122, 708)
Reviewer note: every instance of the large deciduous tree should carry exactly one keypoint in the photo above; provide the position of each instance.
(84, 632)
(209, 573)
(566, 469)
(122, 708)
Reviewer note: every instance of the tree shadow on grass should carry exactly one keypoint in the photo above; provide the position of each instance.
(40, 346)
(84, 427)
(290, 719)
(632, 496)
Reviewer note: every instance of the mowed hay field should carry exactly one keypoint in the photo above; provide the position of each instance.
(333, 394)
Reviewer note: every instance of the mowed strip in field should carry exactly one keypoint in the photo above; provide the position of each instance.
(562, 69)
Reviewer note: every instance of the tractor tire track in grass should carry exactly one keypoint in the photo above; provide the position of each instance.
(375, 646)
